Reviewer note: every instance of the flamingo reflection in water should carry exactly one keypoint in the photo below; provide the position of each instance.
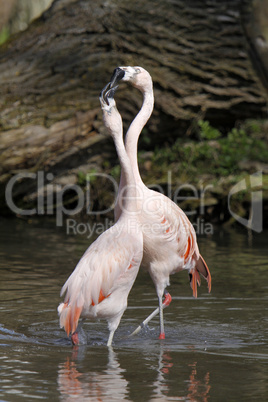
(113, 383)
(107, 385)
(197, 390)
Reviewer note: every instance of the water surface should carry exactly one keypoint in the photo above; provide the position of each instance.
(215, 346)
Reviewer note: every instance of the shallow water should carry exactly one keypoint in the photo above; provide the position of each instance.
(215, 346)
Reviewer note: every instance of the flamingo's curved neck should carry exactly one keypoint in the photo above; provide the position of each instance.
(128, 201)
(131, 144)
(133, 133)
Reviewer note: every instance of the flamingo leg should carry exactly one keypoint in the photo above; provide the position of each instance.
(165, 304)
(110, 339)
(161, 319)
(77, 337)
(145, 322)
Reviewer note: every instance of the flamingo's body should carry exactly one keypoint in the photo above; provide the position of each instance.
(100, 284)
(169, 238)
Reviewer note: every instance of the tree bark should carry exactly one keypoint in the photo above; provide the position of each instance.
(15, 15)
(51, 76)
(254, 20)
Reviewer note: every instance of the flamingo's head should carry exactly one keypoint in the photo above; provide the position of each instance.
(111, 117)
(137, 76)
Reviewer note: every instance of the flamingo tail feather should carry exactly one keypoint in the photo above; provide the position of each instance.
(200, 268)
(69, 317)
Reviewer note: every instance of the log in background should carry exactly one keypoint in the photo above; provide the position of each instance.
(198, 53)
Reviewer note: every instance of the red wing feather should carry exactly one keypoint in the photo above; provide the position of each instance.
(202, 268)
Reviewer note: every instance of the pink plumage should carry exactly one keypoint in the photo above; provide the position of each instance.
(169, 238)
(100, 284)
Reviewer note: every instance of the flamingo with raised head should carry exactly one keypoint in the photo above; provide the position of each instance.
(100, 284)
(169, 238)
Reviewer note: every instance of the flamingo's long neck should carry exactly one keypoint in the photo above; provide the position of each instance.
(129, 197)
(131, 143)
(133, 133)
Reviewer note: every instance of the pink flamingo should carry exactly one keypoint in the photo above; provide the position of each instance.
(169, 238)
(100, 284)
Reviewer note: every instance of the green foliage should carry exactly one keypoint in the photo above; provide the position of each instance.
(106, 164)
(254, 126)
(115, 172)
(4, 35)
(208, 132)
(90, 176)
(146, 138)
(214, 154)
(83, 178)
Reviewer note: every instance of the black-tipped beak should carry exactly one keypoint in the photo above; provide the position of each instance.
(118, 74)
(108, 93)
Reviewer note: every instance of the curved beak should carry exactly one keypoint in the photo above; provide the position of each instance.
(118, 74)
(107, 93)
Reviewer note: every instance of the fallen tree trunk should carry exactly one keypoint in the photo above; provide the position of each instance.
(51, 75)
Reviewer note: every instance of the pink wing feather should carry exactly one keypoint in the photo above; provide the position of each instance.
(95, 276)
